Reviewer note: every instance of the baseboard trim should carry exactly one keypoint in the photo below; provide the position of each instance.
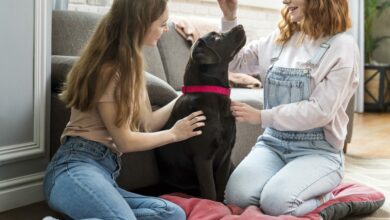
(21, 191)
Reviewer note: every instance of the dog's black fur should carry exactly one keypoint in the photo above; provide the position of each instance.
(201, 165)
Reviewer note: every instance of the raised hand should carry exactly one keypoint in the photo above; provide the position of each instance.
(184, 128)
(229, 8)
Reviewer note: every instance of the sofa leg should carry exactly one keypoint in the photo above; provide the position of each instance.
(345, 148)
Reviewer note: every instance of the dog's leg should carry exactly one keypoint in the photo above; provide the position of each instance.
(222, 174)
(225, 167)
(204, 171)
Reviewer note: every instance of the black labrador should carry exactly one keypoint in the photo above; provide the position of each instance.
(201, 165)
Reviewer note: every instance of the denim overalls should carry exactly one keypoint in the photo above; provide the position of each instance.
(287, 172)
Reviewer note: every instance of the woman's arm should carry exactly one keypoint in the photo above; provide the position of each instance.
(161, 116)
(228, 8)
(129, 141)
(247, 59)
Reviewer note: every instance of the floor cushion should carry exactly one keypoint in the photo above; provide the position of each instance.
(350, 199)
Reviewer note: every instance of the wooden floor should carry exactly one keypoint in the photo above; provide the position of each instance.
(370, 136)
(370, 139)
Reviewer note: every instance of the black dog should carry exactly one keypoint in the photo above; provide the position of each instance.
(201, 165)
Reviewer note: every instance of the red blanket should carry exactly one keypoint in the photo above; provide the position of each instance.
(203, 209)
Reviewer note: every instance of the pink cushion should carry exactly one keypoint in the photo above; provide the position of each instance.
(350, 199)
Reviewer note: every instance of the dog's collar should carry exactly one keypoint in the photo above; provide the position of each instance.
(206, 89)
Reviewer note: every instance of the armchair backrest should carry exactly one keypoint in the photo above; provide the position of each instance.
(71, 30)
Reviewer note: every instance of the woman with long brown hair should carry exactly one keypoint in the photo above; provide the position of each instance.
(111, 115)
(309, 68)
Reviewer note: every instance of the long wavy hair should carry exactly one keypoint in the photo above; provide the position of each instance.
(115, 51)
(321, 18)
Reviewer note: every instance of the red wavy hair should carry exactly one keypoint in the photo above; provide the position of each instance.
(321, 18)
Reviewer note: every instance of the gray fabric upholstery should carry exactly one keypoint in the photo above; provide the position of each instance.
(253, 97)
(174, 51)
(60, 67)
(59, 114)
(71, 30)
(246, 134)
(153, 62)
(139, 170)
(351, 115)
(160, 92)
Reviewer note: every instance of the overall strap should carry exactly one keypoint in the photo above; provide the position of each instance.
(321, 52)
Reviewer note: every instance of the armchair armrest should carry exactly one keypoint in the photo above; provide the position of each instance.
(60, 66)
(350, 111)
(160, 92)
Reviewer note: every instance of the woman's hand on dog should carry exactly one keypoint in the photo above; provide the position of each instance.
(245, 113)
(184, 128)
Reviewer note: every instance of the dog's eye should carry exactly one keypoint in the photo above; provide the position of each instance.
(216, 37)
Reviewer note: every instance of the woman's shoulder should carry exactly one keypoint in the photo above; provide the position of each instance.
(267, 42)
(273, 35)
(268, 37)
(344, 42)
(343, 50)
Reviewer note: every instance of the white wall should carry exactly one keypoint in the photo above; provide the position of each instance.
(357, 31)
(25, 29)
(259, 17)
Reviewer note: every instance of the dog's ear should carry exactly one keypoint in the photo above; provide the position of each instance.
(201, 54)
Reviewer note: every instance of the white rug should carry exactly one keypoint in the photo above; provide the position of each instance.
(374, 173)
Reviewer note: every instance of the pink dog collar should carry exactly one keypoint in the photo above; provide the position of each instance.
(206, 89)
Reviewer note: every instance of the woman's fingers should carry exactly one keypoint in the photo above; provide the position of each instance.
(194, 115)
(239, 119)
(237, 107)
(197, 119)
(197, 125)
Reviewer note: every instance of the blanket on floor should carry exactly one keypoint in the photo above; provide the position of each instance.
(350, 199)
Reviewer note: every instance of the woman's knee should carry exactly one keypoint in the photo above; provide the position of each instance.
(277, 201)
(241, 196)
(174, 211)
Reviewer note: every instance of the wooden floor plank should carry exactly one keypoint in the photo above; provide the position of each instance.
(371, 136)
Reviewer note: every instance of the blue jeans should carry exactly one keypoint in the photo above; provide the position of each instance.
(285, 177)
(80, 182)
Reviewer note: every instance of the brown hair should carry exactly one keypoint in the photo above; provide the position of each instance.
(115, 50)
(321, 18)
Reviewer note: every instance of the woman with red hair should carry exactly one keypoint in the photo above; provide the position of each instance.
(309, 71)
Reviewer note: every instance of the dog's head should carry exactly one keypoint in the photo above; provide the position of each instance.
(214, 48)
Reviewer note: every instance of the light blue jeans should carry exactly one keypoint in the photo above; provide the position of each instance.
(285, 177)
(287, 172)
(80, 182)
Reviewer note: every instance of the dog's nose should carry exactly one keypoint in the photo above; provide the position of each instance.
(240, 26)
